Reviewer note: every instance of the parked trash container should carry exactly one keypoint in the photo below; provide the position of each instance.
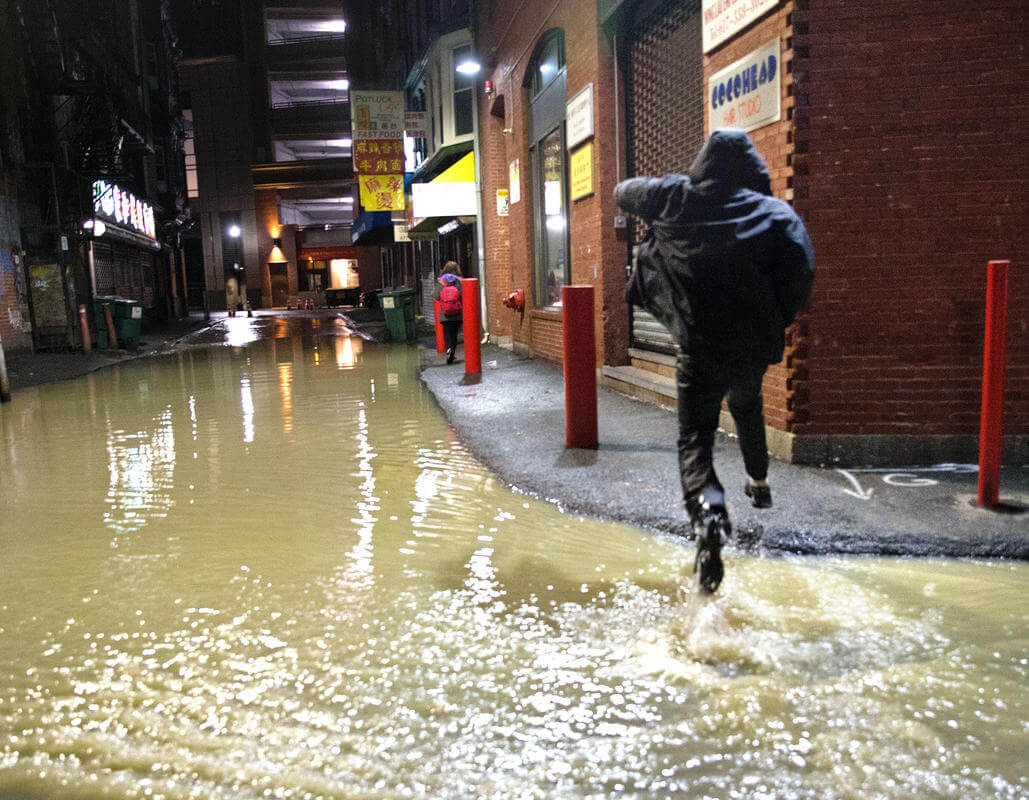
(398, 308)
(128, 318)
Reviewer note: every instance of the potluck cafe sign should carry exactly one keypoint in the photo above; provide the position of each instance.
(114, 204)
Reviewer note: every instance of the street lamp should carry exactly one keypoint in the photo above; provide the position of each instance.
(238, 274)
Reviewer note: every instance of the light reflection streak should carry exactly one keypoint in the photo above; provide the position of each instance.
(347, 351)
(240, 331)
(193, 424)
(247, 401)
(359, 574)
(286, 392)
(141, 470)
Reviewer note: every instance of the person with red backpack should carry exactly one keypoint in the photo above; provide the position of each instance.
(448, 292)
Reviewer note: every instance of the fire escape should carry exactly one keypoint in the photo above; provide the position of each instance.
(88, 112)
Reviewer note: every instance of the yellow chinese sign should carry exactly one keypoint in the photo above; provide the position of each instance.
(581, 168)
(382, 192)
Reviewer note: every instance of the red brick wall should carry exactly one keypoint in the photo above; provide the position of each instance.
(15, 327)
(596, 258)
(15, 336)
(911, 158)
(774, 142)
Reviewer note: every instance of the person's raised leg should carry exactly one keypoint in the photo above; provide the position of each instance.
(746, 405)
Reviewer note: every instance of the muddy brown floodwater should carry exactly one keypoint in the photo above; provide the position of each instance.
(268, 569)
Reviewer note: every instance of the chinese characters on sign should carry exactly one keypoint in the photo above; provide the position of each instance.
(746, 94)
(116, 205)
(382, 192)
(377, 122)
(378, 156)
(723, 18)
(416, 124)
(377, 115)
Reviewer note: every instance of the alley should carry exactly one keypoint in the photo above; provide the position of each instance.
(265, 565)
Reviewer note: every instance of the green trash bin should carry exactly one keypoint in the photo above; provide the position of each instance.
(127, 316)
(398, 308)
(128, 320)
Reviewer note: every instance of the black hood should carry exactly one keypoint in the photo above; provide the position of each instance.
(727, 163)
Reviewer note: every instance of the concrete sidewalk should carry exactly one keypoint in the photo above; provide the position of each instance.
(25, 368)
(513, 421)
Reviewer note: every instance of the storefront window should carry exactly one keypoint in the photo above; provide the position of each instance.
(554, 234)
(464, 90)
(546, 82)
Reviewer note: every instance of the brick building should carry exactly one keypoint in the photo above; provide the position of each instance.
(896, 131)
(92, 186)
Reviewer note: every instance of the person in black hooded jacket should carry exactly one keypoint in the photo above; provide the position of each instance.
(725, 267)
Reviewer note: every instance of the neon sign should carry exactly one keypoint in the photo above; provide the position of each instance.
(115, 204)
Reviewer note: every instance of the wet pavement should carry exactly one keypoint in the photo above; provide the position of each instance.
(263, 564)
(513, 420)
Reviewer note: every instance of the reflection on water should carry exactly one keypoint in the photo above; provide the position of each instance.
(266, 570)
(141, 466)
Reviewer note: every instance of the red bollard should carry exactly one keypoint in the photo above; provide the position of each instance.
(580, 364)
(440, 346)
(87, 342)
(112, 336)
(994, 366)
(472, 325)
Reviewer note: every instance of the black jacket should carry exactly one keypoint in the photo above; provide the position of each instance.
(725, 266)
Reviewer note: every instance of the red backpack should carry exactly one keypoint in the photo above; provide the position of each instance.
(450, 301)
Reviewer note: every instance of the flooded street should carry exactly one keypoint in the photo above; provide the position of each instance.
(268, 569)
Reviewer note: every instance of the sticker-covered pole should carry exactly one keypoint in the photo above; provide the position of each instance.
(580, 366)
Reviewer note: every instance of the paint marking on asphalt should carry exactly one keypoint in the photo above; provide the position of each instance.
(858, 492)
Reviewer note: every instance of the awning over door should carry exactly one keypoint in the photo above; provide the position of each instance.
(449, 194)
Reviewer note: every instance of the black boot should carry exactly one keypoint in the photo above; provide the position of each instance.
(760, 495)
(711, 525)
(450, 355)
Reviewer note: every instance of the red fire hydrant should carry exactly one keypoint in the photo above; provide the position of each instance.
(515, 300)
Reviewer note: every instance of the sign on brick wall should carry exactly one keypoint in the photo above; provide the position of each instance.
(581, 172)
(721, 19)
(747, 94)
(579, 117)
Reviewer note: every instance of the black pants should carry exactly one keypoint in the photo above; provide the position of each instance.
(701, 386)
(450, 329)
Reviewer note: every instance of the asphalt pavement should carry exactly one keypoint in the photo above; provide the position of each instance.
(512, 419)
